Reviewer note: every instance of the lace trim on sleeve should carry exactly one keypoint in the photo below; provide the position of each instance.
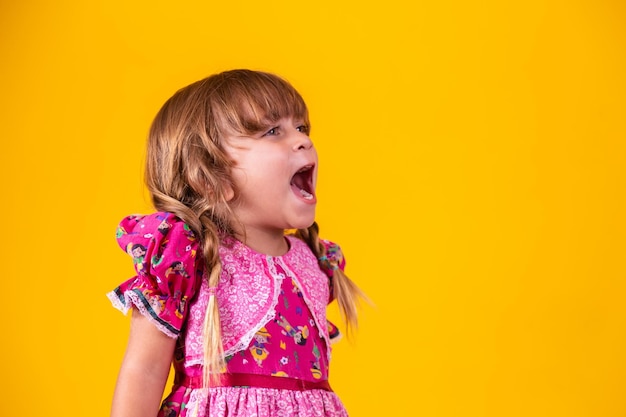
(124, 301)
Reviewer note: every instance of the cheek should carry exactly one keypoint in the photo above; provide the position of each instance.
(244, 172)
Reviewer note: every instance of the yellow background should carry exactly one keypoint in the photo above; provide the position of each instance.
(472, 167)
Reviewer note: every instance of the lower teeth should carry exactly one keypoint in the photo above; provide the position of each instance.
(306, 194)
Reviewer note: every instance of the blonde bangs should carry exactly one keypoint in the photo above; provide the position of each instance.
(246, 102)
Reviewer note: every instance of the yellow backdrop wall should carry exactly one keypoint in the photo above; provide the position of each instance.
(472, 167)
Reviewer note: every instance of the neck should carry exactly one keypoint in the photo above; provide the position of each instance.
(268, 242)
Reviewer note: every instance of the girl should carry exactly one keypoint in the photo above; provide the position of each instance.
(222, 290)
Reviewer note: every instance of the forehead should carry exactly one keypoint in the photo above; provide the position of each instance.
(251, 105)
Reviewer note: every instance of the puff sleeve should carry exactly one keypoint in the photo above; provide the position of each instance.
(332, 260)
(164, 253)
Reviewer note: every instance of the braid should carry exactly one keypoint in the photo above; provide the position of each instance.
(343, 289)
(212, 332)
(207, 231)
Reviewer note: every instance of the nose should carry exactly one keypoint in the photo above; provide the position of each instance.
(302, 141)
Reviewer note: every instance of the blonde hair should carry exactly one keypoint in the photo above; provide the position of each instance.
(188, 173)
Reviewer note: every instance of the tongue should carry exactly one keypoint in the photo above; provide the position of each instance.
(300, 182)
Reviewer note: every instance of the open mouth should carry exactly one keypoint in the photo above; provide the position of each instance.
(302, 182)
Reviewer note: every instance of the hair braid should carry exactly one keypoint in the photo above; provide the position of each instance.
(205, 228)
(212, 331)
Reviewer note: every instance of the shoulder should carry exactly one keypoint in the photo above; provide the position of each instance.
(151, 240)
(156, 227)
(151, 225)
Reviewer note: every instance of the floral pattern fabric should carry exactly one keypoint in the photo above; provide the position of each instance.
(288, 345)
(164, 251)
(272, 311)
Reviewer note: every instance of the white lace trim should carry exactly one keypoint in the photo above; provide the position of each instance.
(245, 340)
(131, 299)
(115, 300)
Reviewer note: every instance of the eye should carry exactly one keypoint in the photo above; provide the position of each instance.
(271, 132)
(303, 129)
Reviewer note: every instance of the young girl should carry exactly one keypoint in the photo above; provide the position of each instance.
(237, 304)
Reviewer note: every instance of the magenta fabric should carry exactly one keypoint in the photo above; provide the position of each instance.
(164, 251)
(289, 345)
(272, 311)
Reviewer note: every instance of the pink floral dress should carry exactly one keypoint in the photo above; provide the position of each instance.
(272, 309)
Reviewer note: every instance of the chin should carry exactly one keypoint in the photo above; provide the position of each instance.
(303, 223)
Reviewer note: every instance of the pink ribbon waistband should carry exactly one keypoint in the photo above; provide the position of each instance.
(253, 381)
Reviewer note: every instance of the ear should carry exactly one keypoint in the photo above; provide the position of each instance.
(225, 191)
(229, 192)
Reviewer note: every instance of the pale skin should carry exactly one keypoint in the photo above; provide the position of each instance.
(144, 370)
(264, 165)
